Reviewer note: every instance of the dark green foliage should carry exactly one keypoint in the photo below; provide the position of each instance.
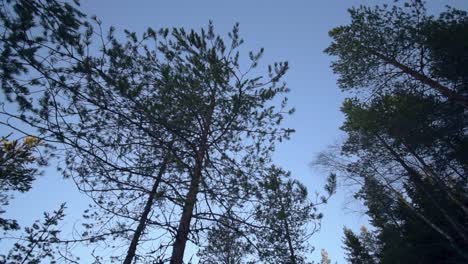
(387, 49)
(166, 132)
(288, 217)
(360, 249)
(389, 32)
(411, 175)
(447, 42)
(406, 144)
(149, 123)
(174, 94)
(284, 219)
(226, 244)
(36, 36)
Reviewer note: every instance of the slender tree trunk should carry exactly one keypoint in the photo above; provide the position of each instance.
(445, 91)
(449, 238)
(288, 237)
(414, 175)
(436, 228)
(429, 171)
(144, 216)
(178, 248)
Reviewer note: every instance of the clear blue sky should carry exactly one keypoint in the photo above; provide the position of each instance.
(288, 30)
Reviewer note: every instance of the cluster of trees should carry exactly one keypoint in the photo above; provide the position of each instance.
(167, 133)
(171, 137)
(406, 126)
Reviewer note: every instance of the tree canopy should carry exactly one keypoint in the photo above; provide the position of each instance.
(406, 131)
(170, 133)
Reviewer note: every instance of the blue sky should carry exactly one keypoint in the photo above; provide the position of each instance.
(295, 31)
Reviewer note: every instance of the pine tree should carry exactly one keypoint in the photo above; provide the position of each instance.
(40, 242)
(405, 127)
(398, 48)
(227, 244)
(182, 117)
(34, 33)
(286, 214)
(360, 249)
(36, 39)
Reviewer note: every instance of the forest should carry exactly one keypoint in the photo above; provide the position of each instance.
(170, 135)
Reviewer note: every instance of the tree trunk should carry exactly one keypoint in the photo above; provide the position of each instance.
(183, 230)
(178, 248)
(144, 217)
(414, 175)
(445, 91)
(288, 236)
(430, 172)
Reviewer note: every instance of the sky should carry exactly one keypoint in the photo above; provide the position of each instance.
(296, 31)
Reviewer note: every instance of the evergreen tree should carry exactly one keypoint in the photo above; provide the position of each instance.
(227, 244)
(406, 144)
(37, 37)
(286, 215)
(41, 242)
(182, 117)
(141, 125)
(360, 249)
(399, 48)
